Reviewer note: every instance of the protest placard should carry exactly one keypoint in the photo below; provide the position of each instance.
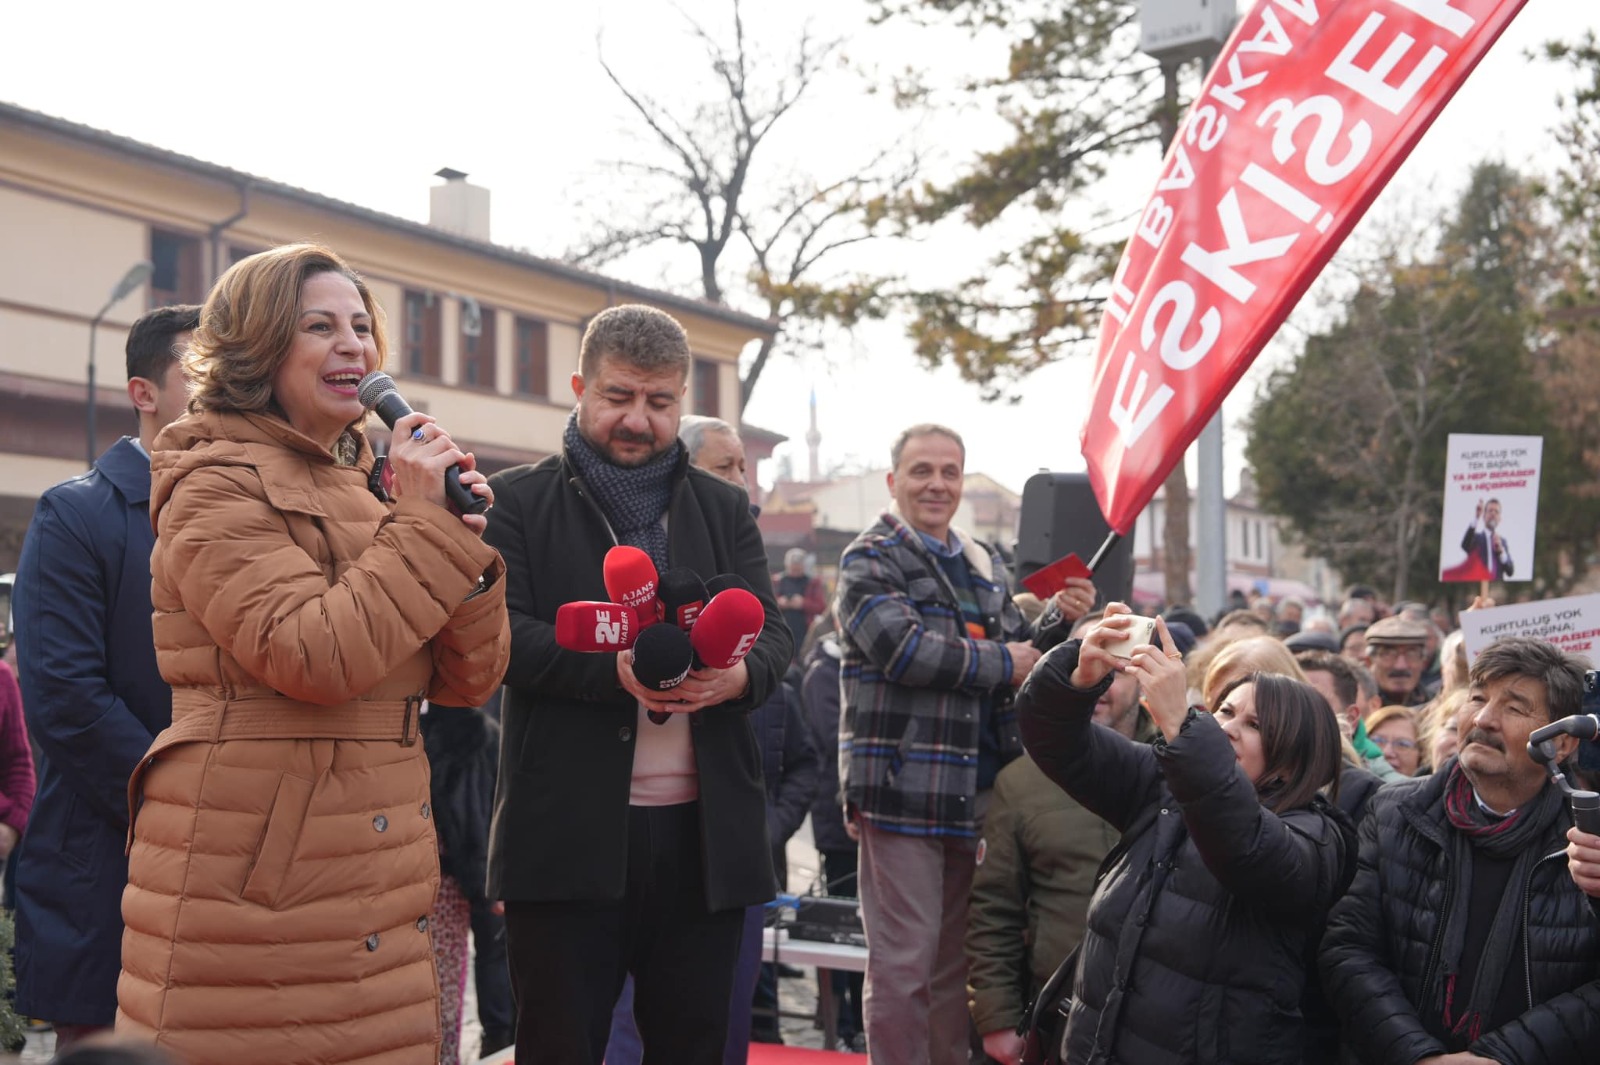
(1572, 624)
(1491, 507)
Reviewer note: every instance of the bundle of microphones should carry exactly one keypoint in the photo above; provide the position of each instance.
(674, 623)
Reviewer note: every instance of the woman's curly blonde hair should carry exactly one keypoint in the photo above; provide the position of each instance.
(248, 324)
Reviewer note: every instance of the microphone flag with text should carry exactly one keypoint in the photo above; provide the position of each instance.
(1305, 116)
(683, 596)
(728, 628)
(595, 628)
(631, 580)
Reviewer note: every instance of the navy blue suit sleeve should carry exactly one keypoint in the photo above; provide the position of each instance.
(84, 729)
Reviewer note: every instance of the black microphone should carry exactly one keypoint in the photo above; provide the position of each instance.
(662, 658)
(683, 596)
(724, 581)
(378, 394)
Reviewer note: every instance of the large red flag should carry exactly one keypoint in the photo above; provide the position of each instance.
(1306, 114)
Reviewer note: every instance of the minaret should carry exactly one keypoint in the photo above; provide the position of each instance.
(813, 438)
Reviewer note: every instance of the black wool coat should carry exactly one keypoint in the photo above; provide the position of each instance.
(1206, 915)
(560, 828)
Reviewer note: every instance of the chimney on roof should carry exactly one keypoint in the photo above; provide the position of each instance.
(459, 206)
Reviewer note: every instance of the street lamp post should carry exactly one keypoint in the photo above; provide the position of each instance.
(137, 274)
(1174, 31)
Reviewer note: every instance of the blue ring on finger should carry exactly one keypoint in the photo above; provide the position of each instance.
(416, 434)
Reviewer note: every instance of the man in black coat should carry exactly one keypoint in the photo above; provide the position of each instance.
(93, 697)
(1462, 938)
(620, 845)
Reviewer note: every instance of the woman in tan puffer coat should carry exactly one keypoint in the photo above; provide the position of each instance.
(283, 859)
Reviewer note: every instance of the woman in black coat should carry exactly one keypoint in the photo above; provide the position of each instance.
(1207, 913)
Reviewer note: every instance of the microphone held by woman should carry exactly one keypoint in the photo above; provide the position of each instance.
(378, 394)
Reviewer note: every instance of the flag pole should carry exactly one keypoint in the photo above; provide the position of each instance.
(1113, 538)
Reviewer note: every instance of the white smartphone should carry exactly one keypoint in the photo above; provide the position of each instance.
(1141, 631)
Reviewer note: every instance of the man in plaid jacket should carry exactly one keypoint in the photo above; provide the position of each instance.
(932, 648)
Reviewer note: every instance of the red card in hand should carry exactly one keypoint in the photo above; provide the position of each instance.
(1052, 578)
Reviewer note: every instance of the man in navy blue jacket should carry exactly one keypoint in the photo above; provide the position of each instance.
(93, 697)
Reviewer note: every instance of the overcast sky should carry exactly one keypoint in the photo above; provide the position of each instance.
(364, 102)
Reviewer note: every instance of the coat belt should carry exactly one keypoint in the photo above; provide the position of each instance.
(204, 717)
(199, 717)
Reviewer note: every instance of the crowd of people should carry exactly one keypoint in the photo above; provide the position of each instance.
(309, 749)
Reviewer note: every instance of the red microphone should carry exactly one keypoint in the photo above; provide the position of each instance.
(597, 627)
(631, 581)
(727, 628)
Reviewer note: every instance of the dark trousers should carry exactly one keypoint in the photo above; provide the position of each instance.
(569, 959)
(491, 976)
(839, 873)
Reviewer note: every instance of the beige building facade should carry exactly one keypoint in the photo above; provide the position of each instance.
(482, 337)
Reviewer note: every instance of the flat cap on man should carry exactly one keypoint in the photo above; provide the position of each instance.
(1395, 630)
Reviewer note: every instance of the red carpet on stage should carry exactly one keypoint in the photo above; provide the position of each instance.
(760, 1054)
(773, 1054)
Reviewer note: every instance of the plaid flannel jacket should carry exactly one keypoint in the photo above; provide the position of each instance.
(912, 680)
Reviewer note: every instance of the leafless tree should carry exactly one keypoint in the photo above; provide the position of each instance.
(694, 187)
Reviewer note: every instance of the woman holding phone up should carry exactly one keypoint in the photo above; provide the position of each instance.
(1203, 920)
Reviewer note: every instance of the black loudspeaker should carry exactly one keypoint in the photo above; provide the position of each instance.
(1060, 515)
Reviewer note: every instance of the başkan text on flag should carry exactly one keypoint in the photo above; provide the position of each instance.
(1306, 114)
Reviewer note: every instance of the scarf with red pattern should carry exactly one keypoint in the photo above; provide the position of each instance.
(1517, 836)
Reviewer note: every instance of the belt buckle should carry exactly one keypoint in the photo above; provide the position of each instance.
(413, 721)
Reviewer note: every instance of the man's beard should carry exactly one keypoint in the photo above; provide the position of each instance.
(628, 436)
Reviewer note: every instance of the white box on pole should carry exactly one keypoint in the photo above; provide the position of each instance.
(1174, 30)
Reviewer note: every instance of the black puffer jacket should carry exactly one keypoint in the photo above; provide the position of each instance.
(1379, 958)
(1207, 913)
(789, 765)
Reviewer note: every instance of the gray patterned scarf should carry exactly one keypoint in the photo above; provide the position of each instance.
(634, 499)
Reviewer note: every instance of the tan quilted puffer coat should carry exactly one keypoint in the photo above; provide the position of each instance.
(283, 859)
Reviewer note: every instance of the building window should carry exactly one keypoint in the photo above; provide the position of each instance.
(707, 394)
(532, 358)
(477, 348)
(176, 274)
(419, 346)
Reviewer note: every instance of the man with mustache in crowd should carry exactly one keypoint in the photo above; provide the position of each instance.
(1397, 654)
(1463, 940)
